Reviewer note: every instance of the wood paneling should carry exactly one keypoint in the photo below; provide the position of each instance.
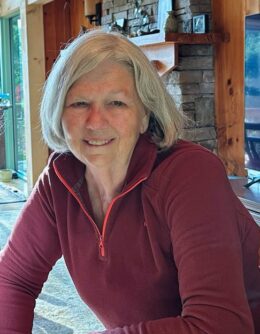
(229, 17)
(62, 22)
(77, 17)
(57, 29)
(252, 7)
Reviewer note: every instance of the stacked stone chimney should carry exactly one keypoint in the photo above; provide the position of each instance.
(192, 83)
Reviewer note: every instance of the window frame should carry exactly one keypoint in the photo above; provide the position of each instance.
(5, 68)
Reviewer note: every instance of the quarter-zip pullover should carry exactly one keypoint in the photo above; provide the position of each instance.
(177, 252)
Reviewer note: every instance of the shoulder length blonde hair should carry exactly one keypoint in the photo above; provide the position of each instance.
(83, 55)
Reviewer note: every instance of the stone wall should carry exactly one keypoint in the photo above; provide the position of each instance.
(192, 83)
(114, 10)
(192, 87)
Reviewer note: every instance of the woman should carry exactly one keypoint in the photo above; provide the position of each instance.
(154, 238)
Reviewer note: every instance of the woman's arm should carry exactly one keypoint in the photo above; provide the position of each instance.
(199, 208)
(26, 260)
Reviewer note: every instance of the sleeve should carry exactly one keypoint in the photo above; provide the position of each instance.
(26, 260)
(199, 207)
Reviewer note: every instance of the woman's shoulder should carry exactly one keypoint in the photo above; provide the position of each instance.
(59, 164)
(185, 153)
(56, 157)
(63, 163)
(186, 161)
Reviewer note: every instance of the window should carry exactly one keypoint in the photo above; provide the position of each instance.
(252, 92)
(17, 96)
(13, 120)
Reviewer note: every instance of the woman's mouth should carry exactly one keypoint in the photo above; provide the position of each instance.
(98, 142)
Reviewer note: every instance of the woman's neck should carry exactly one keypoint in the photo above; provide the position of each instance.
(108, 183)
(103, 186)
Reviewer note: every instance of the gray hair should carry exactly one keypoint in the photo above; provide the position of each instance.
(83, 55)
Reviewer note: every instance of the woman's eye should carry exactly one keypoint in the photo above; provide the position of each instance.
(117, 103)
(80, 104)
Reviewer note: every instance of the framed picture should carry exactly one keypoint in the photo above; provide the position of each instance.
(200, 24)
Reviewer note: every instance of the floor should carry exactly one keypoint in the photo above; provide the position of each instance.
(59, 309)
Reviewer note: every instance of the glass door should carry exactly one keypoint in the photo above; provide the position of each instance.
(13, 126)
(17, 96)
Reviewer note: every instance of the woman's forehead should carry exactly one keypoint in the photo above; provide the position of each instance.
(115, 76)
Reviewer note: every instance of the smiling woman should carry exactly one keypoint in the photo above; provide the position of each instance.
(102, 121)
(164, 127)
(103, 117)
(147, 223)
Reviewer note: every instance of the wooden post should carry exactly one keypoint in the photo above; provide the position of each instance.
(229, 17)
(33, 79)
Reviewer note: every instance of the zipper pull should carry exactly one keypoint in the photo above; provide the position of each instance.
(101, 247)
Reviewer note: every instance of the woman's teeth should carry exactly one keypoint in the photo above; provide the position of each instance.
(98, 142)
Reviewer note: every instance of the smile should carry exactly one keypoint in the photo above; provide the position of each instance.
(97, 142)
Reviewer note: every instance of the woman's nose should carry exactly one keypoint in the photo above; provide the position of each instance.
(96, 118)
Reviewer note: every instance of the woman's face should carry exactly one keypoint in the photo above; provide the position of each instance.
(103, 116)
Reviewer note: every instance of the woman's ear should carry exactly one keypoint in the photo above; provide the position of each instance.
(144, 122)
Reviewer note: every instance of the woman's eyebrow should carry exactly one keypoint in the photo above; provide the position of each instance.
(119, 91)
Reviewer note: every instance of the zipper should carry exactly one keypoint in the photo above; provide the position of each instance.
(101, 236)
(102, 250)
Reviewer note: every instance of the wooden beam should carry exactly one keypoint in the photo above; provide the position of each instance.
(188, 38)
(229, 17)
(252, 7)
(33, 79)
(8, 7)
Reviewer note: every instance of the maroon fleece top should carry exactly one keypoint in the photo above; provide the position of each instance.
(177, 253)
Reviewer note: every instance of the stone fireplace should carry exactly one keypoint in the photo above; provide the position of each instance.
(191, 83)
